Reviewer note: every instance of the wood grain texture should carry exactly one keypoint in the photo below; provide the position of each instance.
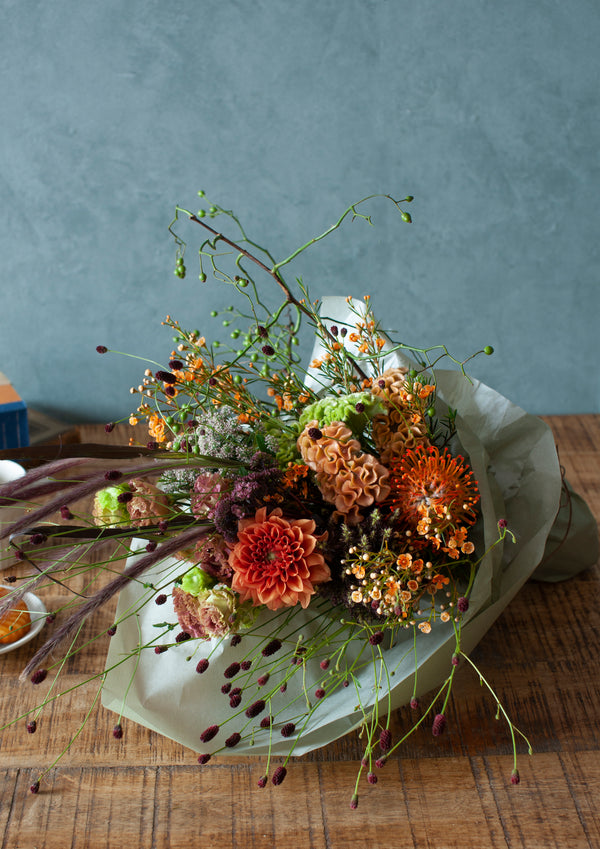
(146, 791)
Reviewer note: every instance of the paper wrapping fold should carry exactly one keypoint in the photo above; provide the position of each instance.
(515, 463)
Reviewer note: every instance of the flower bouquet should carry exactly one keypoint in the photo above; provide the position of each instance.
(297, 551)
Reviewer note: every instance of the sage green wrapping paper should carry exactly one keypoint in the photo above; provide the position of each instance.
(515, 463)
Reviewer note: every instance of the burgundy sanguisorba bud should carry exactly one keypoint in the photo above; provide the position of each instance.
(380, 762)
(111, 631)
(113, 475)
(109, 427)
(235, 640)
(160, 599)
(65, 513)
(385, 740)
(439, 725)
(315, 433)
(245, 665)
(209, 733)
(118, 731)
(35, 787)
(262, 781)
(376, 638)
(31, 727)
(255, 708)
(202, 665)
(515, 778)
(266, 722)
(414, 703)
(288, 729)
(271, 648)
(462, 604)
(233, 740)
(101, 349)
(354, 802)
(232, 670)
(38, 676)
(371, 778)
(235, 700)
(279, 774)
(183, 637)
(203, 759)
(165, 377)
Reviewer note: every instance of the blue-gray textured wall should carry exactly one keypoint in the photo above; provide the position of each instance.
(112, 112)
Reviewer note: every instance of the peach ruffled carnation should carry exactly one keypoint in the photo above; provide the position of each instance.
(347, 476)
(275, 561)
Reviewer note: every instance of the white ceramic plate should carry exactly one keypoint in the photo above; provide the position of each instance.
(38, 613)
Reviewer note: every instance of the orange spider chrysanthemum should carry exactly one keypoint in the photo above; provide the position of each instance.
(433, 489)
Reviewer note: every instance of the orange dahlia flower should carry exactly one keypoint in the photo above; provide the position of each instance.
(275, 561)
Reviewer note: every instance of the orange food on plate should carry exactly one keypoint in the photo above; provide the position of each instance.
(15, 623)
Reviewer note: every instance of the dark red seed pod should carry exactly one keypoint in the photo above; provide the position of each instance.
(324, 664)
(245, 665)
(233, 740)
(319, 693)
(111, 631)
(113, 475)
(237, 691)
(203, 759)
(165, 377)
(38, 676)
(414, 703)
(271, 648)
(11, 579)
(124, 497)
(371, 778)
(283, 687)
(35, 787)
(263, 679)
(225, 688)
(255, 708)
(151, 546)
(209, 733)
(262, 781)
(160, 599)
(183, 637)
(354, 802)
(376, 638)
(266, 722)
(202, 665)
(279, 774)
(31, 727)
(455, 660)
(385, 740)
(515, 778)
(109, 427)
(380, 762)
(232, 670)
(439, 725)
(101, 349)
(160, 649)
(288, 729)
(235, 700)
(118, 731)
(177, 365)
(462, 604)
(65, 513)
(235, 640)
(50, 618)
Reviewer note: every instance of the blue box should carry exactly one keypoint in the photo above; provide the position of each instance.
(14, 432)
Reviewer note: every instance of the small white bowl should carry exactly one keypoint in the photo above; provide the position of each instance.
(10, 471)
(38, 613)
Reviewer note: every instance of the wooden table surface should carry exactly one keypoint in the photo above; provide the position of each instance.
(542, 657)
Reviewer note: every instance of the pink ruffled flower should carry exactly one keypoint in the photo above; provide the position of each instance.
(149, 504)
